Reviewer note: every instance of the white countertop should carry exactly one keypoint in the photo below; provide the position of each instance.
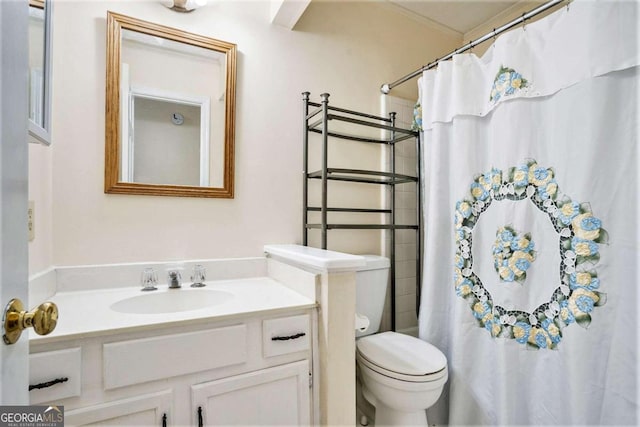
(321, 259)
(89, 313)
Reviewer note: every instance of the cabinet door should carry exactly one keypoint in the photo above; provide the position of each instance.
(145, 410)
(273, 396)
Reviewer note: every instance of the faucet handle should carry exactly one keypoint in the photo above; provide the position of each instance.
(199, 276)
(149, 279)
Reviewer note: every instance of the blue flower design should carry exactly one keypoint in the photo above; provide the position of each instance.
(565, 313)
(580, 234)
(552, 330)
(568, 211)
(521, 176)
(583, 280)
(584, 247)
(506, 236)
(540, 338)
(464, 288)
(521, 332)
(479, 192)
(549, 190)
(590, 223)
(464, 207)
(540, 173)
(523, 264)
(585, 304)
(506, 83)
(480, 309)
(491, 180)
(512, 254)
(417, 118)
(522, 244)
(506, 274)
(492, 325)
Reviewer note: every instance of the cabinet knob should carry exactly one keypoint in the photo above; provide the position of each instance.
(42, 319)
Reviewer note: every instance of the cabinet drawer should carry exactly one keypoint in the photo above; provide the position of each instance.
(285, 335)
(141, 360)
(49, 370)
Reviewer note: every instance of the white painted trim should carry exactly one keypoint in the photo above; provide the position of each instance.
(36, 95)
(40, 131)
(287, 13)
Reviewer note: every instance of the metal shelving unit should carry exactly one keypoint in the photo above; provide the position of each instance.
(317, 118)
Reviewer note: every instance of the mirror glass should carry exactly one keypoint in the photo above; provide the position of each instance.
(39, 70)
(170, 111)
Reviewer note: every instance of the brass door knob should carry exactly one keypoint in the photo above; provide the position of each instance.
(43, 319)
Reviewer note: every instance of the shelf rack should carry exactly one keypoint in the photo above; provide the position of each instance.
(317, 118)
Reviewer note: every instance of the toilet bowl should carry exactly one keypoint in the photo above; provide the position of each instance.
(400, 375)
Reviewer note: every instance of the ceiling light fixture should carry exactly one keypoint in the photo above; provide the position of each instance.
(184, 6)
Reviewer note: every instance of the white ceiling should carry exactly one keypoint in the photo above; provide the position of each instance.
(459, 15)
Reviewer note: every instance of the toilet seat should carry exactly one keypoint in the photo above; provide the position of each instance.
(402, 357)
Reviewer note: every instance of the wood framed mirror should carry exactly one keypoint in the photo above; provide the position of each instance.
(170, 111)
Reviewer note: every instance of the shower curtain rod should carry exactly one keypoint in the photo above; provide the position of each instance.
(385, 88)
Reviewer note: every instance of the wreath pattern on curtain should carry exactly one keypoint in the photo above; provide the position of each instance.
(579, 234)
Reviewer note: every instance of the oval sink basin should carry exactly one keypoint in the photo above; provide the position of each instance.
(171, 301)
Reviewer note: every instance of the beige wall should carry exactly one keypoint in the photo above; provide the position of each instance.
(166, 153)
(345, 48)
(40, 191)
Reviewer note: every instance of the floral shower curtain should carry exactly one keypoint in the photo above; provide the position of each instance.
(530, 211)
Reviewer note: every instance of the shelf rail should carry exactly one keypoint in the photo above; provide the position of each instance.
(322, 115)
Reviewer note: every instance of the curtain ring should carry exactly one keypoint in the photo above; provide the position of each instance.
(524, 22)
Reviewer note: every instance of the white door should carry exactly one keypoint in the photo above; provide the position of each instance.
(13, 190)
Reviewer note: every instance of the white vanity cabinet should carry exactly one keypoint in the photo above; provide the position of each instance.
(274, 396)
(255, 370)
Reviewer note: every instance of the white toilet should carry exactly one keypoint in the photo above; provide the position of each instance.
(400, 375)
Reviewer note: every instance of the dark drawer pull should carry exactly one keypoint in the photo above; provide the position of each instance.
(164, 420)
(200, 420)
(289, 337)
(48, 383)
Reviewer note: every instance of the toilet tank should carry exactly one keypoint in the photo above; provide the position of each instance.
(371, 290)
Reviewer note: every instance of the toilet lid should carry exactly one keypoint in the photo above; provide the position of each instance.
(402, 353)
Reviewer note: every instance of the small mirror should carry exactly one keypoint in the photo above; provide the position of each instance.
(170, 111)
(39, 70)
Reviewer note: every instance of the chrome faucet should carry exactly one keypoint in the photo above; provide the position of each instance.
(174, 278)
